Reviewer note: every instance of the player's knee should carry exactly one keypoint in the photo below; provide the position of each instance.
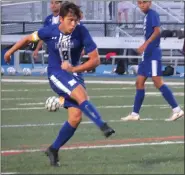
(75, 119)
(139, 85)
(157, 82)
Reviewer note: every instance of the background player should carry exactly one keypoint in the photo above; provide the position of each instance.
(151, 65)
(53, 18)
(65, 42)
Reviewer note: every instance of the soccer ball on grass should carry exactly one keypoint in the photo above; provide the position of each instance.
(52, 104)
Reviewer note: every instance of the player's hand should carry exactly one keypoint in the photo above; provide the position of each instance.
(142, 48)
(67, 66)
(35, 54)
(7, 57)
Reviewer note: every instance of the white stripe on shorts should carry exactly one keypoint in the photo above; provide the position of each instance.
(59, 85)
(154, 67)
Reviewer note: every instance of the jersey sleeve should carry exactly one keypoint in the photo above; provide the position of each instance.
(44, 33)
(45, 22)
(89, 44)
(155, 20)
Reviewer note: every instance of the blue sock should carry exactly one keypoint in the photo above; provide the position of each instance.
(65, 133)
(90, 111)
(168, 96)
(140, 94)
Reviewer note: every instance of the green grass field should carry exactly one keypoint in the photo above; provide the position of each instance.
(149, 146)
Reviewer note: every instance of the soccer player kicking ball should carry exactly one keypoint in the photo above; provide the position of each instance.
(151, 65)
(65, 42)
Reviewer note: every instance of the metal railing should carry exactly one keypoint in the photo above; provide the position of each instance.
(99, 28)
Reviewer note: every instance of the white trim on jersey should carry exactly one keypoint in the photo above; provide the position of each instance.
(55, 19)
(154, 67)
(59, 85)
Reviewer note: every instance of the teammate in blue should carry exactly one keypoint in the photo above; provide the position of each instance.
(65, 42)
(151, 65)
(53, 18)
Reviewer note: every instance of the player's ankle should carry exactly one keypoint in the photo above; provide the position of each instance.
(134, 114)
(176, 109)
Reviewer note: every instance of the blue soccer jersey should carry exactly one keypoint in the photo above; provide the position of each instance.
(151, 20)
(50, 20)
(151, 63)
(65, 48)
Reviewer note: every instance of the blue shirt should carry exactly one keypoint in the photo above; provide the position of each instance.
(49, 20)
(65, 47)
(151, 20)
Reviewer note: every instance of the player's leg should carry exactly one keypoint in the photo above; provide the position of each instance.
(66, 132)
(110, 9)
(140, 92)
(139, 98)
(165, 91)
(71, 86)
(80, 95)
(126, 16)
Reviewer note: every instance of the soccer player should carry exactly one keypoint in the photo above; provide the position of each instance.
(151, 65)
(65, 42)
(53, 18)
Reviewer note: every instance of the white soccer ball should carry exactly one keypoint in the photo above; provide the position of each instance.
(134, 69)
(52, 104)
(11, 71)
(26, 71)
(2, 71)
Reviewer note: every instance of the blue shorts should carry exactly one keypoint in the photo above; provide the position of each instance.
(63, 83)
(150, 68)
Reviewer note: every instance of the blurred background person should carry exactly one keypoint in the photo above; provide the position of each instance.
(112, 8)
(51, 19)
(123, 9)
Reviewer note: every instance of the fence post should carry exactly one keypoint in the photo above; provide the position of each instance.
(23, 28)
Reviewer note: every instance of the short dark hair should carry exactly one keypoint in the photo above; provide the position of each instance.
(69, 7)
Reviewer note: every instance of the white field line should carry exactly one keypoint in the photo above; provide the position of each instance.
(88, 89)
(59, 124)
(10, 173)
(99, 107)
(26, 90)
(87, 81)
(152, 94)
(99, 146)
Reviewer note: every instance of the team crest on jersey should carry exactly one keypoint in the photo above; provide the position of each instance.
(65, 42)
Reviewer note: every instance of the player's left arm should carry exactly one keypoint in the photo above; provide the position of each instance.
(93, 62)
(90, 49)
(155, 34)
(156, 26)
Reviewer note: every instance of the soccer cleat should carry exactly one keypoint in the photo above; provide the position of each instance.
(176, 115)
(131, 117)
(107, 130)
(53, 156)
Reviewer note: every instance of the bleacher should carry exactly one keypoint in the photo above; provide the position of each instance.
(23, 18)
(34, 11)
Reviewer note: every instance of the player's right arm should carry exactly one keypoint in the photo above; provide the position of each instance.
(23, 42)
(42, 34)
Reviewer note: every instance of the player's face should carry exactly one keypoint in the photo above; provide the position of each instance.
(69, 23)
(144, 5)
(55, 6)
